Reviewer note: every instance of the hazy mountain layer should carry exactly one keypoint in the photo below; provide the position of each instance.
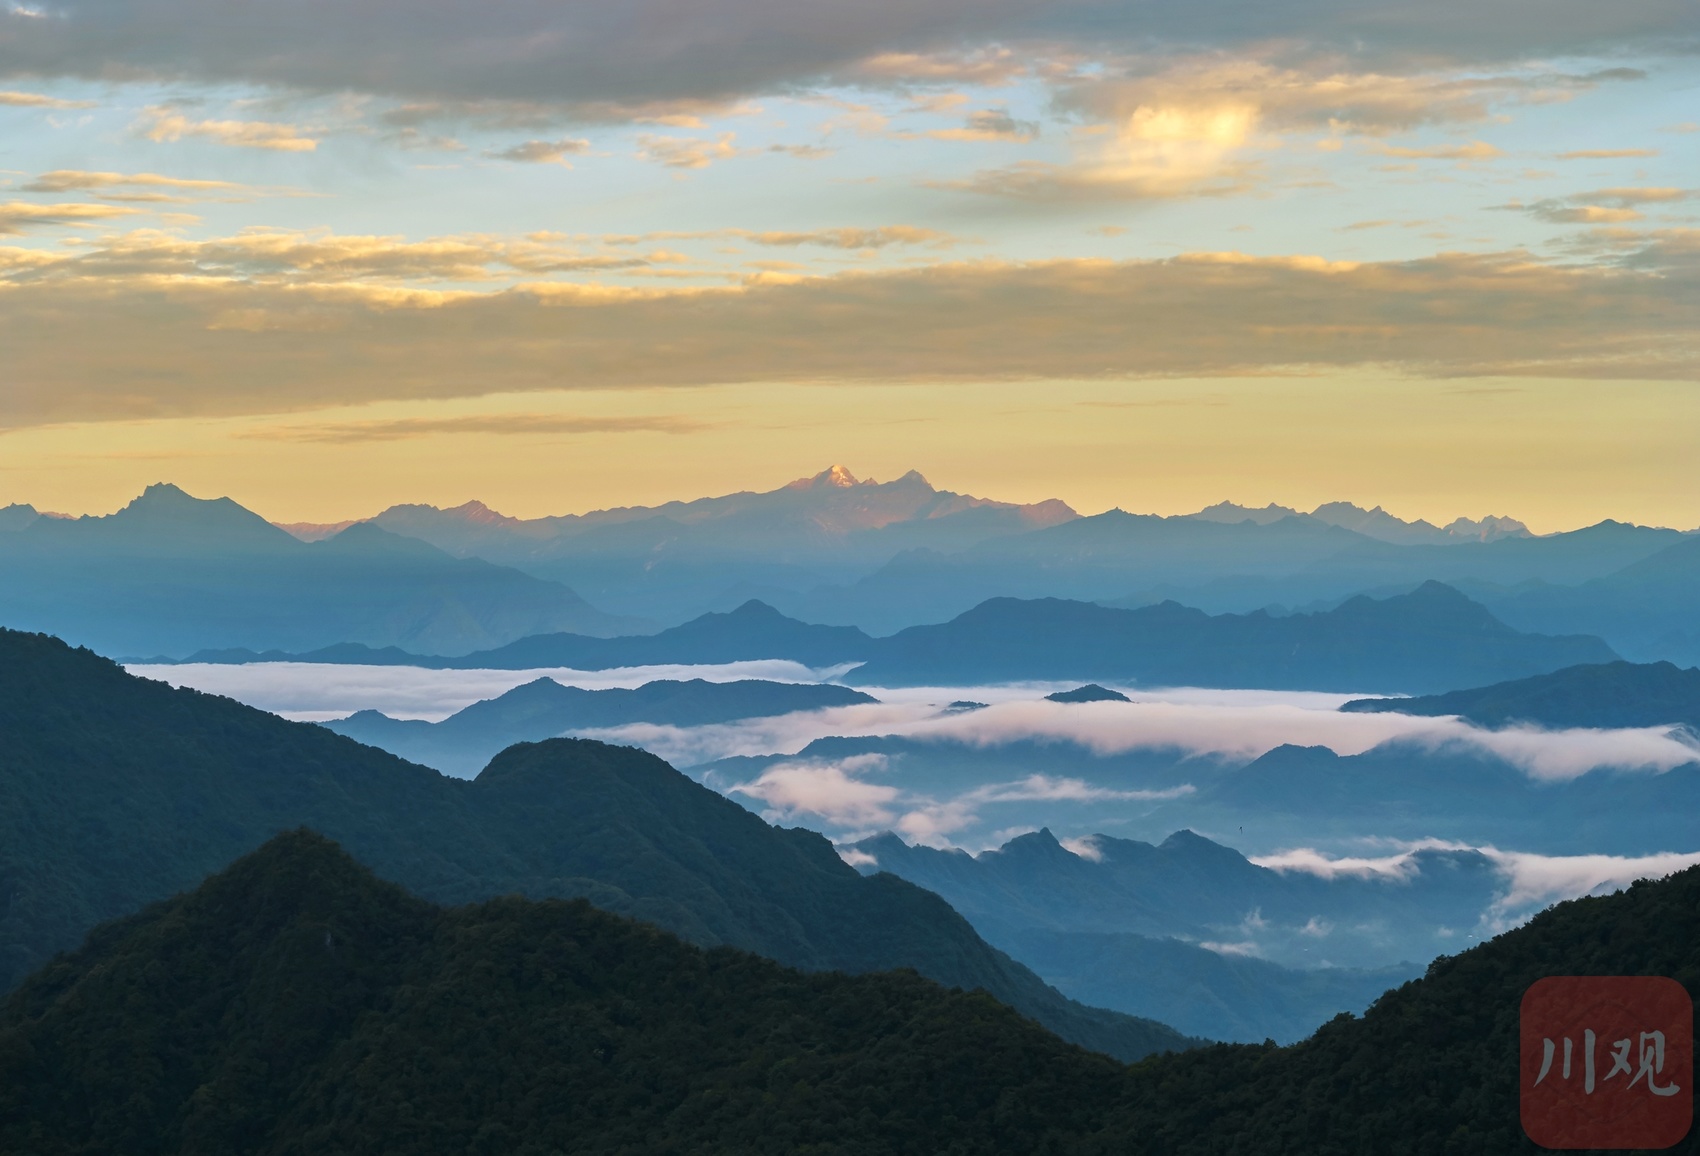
(1138, 559)
(116, 791)
(1613, 694)
(1191, 888)
(464, 742)
(1649, 610)
(977, 776)
(679, 559)
(295, 1003)
(172, 574)
(1376, 523)
(753, 631)
(1431, 639)
(1124, 920)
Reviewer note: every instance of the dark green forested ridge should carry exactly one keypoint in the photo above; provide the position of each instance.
(296, 1004)
(1602, 694)
(117, 791)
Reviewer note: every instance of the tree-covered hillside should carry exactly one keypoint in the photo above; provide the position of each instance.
(296, 1004)
(117, 791)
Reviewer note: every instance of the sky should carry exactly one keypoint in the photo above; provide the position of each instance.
(328, 255)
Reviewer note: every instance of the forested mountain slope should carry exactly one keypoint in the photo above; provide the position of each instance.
(117, 791)
(295, 1003)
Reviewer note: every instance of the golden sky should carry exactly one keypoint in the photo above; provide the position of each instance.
(1555, 453)
(1441, 257)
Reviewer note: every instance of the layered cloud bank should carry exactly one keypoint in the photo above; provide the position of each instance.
(654, 51)
(1224, 728)
(309, 326)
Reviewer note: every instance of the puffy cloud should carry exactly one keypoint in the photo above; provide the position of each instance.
(989, 124)
(542, 152)
(824, 790)
(1602, 206)
(680, 152)
(166, 124)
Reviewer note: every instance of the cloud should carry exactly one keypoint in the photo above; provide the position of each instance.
(178, 315)
(876, 238)
(1474, 151)
(1604, 154)
(137, 186)
(1086, 847)
(518, 424)
(542, 152)
(1602, 206)
(824, 790)
(677, 152)
(323, 258)
(1530, 882)
(802, 151)
(1162, 126)
(318, 691)
(164, 124)
(1234, 725)
(37, 100)
(580, 53)
(991, 124)
(16, 216)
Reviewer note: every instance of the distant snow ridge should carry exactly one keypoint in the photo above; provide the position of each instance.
(1375, 523)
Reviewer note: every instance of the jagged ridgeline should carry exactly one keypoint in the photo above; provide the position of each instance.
(117, 791)
(296, 1003)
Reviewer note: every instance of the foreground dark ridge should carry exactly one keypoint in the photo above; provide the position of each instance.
(295, 1003)
(117, 791)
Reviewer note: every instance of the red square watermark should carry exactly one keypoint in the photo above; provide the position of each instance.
(1607, 1062)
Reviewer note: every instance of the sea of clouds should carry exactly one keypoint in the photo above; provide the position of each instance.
(853, 796)
(314, 691)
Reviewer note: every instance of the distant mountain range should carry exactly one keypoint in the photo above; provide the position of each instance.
(1132, 560)
(883, 556)
(1431, 639)
(679, 559)
(1124, 920)
(753, 631)
(170, 573)
(1527, 796)
(464, 742)
(295, 1003)
(1613, 694)
(1376, 523)
(116, 792)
